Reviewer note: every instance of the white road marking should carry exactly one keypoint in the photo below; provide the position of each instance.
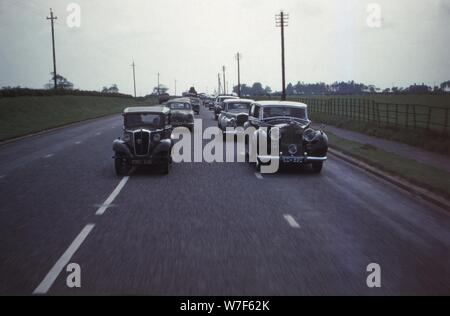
(113, 195)
(98, 133)
(291, 221)
(51, 276)
(48, 156)
(259, 176)
(78, 142)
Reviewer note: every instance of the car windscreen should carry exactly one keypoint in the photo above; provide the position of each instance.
(244, 106)
(143, 119)
(284, 111)
(179, 106)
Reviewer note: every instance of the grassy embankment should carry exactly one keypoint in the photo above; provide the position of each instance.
(20, 116)
(433, 179)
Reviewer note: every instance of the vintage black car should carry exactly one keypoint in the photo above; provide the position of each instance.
(195, 104)
(298, 143)
(234, 114)
(145, 140)
(218, 104)
(181, 113)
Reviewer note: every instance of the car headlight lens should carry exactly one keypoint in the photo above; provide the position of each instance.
(309, 135)
(232, 123)
(156, 137)
(126, 137)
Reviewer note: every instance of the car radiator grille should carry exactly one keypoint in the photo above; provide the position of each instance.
(290, 137)
(141, 142)
(241, 119)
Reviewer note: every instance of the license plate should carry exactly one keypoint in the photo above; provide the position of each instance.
(141, 162)
(292, 159)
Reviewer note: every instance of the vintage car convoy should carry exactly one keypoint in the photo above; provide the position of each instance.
(145, 140)
(298, 142)
(181, 113)
(234, 114)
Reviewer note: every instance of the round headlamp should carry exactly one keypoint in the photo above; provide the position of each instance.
(309, 135)
(126, 137)
(156, 137)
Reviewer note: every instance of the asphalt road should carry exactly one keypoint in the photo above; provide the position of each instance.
(206, 229)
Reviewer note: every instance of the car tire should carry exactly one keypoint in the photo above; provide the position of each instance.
(122, 168)
(258, 165)
(317, 166)
(165, 167)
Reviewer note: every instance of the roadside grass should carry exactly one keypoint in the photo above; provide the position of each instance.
(429, 140)
(433, 179)
(20, 116)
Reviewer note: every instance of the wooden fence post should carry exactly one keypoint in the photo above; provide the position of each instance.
(446, 121)
(407, 116)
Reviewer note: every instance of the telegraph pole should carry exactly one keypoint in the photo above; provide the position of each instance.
(282, 22)
(134, 77)
(224, 83)
(175, 87)
(238, 58)
(219, 84)
(52, 18)
(158, 83)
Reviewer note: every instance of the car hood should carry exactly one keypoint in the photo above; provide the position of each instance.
(181, 112)
(238, 112)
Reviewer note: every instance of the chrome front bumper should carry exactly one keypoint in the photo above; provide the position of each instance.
(291, 159)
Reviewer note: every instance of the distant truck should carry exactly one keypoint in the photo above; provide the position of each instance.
(163, 97)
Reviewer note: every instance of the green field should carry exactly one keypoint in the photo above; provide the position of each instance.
(25, 115)
(419, 99)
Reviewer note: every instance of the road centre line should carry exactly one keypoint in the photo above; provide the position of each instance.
(51, 276)
(259, 175)
(113, 195)
(292, 222)
(48, 156)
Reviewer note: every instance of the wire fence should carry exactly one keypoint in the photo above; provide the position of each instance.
(414, 116)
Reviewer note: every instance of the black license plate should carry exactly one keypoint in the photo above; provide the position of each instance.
(291, 159)
(141, 162)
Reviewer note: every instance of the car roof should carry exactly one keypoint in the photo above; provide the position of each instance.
(146, 109)
(282, 103)
(239, 100)
(186, 99)
(228, 96)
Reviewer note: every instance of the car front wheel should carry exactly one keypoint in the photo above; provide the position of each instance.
(122, 167)
(317, 166)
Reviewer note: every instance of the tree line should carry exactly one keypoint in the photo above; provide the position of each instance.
(349, 87)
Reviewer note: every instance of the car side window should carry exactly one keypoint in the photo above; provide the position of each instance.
(256, 111)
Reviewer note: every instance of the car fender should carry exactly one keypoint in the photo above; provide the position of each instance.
(165, 145)
(121, 148)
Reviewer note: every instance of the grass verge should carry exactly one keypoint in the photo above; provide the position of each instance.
(429, 140)
(433, 179)
(21, 116)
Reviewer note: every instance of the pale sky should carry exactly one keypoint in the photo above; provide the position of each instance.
(190, 40)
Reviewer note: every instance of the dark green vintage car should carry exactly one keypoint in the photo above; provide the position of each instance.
(181, 113)
(145, 140)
